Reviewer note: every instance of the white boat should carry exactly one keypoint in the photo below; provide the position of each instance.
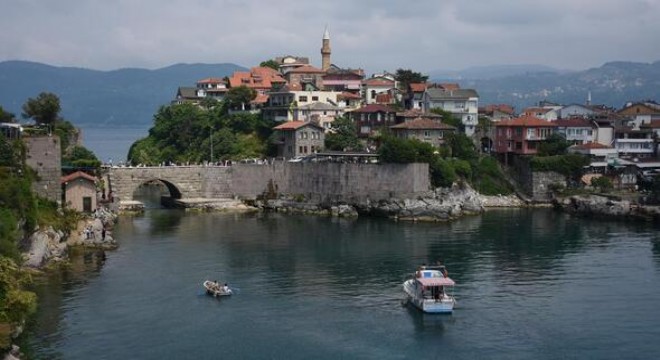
(430, 290)
(215, 289)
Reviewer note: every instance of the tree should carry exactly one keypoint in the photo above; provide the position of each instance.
(238, 97)
(448, 118)
(343, 136)
(80, 156)
(555, 144)
(271, 64)
(6, 117)
(407, 77)
(461, 146)
(603, 183)
(44, 109)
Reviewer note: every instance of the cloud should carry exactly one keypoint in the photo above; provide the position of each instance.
(423, 35)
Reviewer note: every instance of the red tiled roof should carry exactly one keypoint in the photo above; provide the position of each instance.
(418, 87)
(294, 125)
(260, 99)
(422, 124)
(448, 86)
(348, 95)
(573, 122)
(373, 108)
(378, 82)
(256, 78)
(505, 108)
(418, 113)
(211, 80)
(530, 110)
(306, 69)
(526, 120)
(75, 175)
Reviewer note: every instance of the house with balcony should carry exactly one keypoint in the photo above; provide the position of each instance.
(634, 144)
(344, 80)
(372, 118)
(497, 112)
(600, 155)
(576, 130)
(323, 114)
(290, 103)
(461, 103)
(548, 113)
(299, 138)
(640, 113)
(576, 110)
(423, 129)
(521, 135)
(214, 88)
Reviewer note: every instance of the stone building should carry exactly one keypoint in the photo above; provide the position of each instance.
(299, 138)
(79, 191)
(45, 157)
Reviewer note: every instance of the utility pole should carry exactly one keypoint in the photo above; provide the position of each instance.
(211, 140)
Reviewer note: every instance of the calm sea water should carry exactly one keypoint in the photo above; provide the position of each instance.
(531, 285)
(112, 143)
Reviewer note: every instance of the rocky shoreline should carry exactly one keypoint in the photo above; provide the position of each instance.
(606, 207)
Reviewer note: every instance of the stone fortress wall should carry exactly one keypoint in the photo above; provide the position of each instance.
(318, 182)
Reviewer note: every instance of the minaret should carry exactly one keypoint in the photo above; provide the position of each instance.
(589, 98)
(325, 51)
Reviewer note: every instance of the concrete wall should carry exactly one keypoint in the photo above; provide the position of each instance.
(315, 181)
(44, 156)
(536, 184)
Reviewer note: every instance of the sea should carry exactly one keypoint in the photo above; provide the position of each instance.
(530, 284)
(111, 145)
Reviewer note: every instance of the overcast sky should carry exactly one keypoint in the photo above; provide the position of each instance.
(422, 35)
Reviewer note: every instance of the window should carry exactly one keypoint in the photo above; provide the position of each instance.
(427, 134)
(518, 131)
(305, 149)
(302, 98)
(300, 149)
(518, 145)
(315, 98)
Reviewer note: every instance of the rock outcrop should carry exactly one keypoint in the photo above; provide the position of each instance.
(442, 204)
(607, 207)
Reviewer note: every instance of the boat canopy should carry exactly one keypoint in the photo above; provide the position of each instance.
(436, 281)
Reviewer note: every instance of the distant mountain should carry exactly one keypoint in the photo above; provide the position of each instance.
(491, 72)
(124, 97)
(612, 84)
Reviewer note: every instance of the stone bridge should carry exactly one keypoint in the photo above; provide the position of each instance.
(316, 181)
(183, 182)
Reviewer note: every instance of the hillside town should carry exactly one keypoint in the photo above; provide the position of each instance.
(621, 143)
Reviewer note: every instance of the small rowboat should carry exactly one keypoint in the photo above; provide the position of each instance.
(215, 289)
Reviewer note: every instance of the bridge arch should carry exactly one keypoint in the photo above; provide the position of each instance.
(173, 190)
(181, 182)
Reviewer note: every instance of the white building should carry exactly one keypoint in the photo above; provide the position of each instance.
(461, 103)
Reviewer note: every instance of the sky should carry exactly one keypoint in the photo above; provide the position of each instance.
(375, 35)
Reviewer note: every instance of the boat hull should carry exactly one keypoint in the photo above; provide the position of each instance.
(215, 292)
(443, 305)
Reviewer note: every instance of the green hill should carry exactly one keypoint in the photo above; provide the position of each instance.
(102, 98)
